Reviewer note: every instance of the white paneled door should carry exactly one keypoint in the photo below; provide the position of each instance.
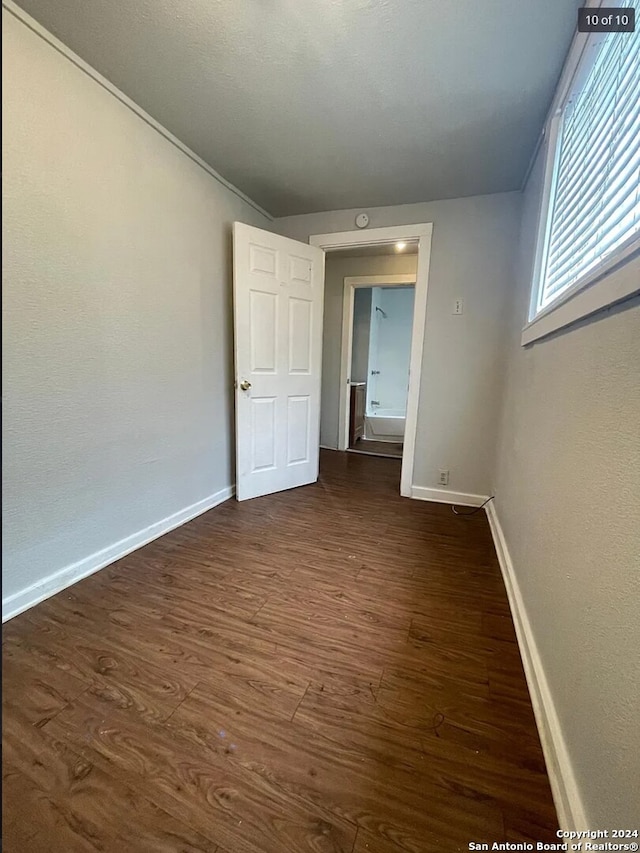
(278, 290)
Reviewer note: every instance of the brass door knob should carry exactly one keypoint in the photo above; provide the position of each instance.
(245, 385)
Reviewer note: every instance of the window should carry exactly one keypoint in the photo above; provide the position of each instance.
(590, 219)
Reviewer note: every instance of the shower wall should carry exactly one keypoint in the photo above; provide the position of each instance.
(389, 350)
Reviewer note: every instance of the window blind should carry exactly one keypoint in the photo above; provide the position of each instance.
(596, 201)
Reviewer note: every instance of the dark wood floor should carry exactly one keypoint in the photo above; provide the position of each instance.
(332, 668)
(377, 448)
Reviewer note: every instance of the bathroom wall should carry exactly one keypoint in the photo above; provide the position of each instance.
(360, 342)
(393, 349)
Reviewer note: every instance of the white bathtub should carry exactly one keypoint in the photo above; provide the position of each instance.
(384, 425)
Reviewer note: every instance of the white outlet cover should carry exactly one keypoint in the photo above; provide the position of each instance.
(362, 220)
(458, 306)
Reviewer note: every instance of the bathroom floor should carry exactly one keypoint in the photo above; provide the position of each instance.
(377, 448)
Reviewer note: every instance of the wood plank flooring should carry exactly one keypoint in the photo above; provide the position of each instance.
(332, 668)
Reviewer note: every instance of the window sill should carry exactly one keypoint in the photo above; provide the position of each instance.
(614, 286)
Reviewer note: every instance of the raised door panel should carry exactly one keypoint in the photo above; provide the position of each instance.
(263, 321)
(263, 433)
(298, 423)
(300, 340)
(263, 260)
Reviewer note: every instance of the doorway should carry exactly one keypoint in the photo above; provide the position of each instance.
(378, 312)
(338, 341)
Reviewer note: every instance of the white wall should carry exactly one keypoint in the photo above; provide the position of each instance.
(117, 355)
(393, 348)
(336, 270)
(473, 250)
(568, 490)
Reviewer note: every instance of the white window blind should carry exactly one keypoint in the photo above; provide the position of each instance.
(595, 198)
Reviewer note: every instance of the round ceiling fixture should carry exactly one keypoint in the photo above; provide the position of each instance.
(362, 220)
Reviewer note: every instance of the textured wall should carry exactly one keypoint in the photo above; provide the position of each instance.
(568, 498)
(361, 329)
(336, 270)
(117, 357)
(472, 255)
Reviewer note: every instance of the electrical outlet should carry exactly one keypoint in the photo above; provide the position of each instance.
(444, 477)
(458, 306)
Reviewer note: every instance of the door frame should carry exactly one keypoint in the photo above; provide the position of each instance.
(420, 233)
(351, 283)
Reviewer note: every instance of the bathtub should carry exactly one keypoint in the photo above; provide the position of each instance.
(384, 425)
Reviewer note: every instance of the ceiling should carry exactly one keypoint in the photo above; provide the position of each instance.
(310, 105)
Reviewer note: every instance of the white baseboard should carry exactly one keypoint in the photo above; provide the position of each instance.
(326, 447)
(54, 583)
(566, 794)
(444, 496)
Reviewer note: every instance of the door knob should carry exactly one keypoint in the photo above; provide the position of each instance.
(245, 385)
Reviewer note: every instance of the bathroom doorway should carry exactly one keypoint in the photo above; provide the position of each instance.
(381, 325)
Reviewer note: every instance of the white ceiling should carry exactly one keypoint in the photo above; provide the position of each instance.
(311, 105)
